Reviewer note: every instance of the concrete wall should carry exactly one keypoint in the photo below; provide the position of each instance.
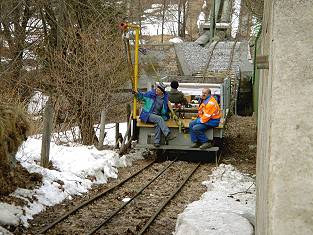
(285, 128)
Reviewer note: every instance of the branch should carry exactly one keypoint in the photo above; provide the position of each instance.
(246, 191)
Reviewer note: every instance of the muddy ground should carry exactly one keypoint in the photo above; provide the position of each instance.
(239, 143)
(16, 177)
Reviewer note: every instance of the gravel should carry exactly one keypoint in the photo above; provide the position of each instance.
(193, 58)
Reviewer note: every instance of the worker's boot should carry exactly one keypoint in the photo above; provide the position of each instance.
(195, 145)
(170, 136)
(206, 145)
(157, 145)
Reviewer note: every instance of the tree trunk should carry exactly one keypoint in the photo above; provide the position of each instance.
(140, 12)
(102, 130)
(163, 20)
(183, 28)
(179, 18)
(87, 131)
(16, 40)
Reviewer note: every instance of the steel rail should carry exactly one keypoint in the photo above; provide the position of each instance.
(152, 218)
(231, 57)
(233, 89)
(51, 225)
(126, 203)
(209, 60)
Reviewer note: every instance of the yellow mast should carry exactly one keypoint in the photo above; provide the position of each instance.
(136, 28)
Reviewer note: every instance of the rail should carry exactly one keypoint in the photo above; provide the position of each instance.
(51, 225)
(126, 203)
(152, 218)
(158, 208)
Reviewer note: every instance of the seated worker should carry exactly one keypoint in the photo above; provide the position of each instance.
(155, 110)
(209, 115)
(176, 96)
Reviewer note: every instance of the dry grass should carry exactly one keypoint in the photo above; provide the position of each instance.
(14, 127)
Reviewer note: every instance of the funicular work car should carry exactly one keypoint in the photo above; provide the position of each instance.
(192, 88)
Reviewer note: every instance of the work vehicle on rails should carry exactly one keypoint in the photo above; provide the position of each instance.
(218, 82)
(191, 87)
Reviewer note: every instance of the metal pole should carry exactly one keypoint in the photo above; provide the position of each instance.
(124, 27)
(136, 69)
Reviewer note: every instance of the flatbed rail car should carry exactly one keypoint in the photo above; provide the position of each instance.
(191, 88)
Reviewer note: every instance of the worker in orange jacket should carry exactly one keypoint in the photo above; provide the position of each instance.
(209, 115)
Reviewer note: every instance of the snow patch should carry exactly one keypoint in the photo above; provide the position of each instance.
(75, 169)
(9, 214)
(151, 25)
(201, 19)
(228, 207)
(235, 18)
(37, 103)
(176, 40)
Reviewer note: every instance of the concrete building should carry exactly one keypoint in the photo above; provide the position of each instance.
(285, 128)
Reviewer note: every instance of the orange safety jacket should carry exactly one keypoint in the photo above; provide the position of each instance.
(209, 109)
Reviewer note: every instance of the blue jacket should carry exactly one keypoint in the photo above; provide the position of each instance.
(148, 99)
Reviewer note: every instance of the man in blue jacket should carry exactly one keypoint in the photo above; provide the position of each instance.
(155, 109)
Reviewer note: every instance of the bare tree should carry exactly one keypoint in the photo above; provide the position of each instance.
(182, 18)
(164, 7)
(86, 62)
(14, 20)
(77, 50)
(251, 12)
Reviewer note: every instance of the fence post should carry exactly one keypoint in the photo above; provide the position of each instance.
(128, 116)
(46, 135)
(117, 134)
(102, 130)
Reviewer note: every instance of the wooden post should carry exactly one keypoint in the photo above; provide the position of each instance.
(128, 117)
(102, 130)
(117, 133)
(125, 145)
(46, 135)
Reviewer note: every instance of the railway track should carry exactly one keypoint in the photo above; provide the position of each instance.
(107, 213)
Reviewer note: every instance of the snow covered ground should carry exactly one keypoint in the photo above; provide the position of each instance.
(76, 169)
(151, 24)
(228, 207)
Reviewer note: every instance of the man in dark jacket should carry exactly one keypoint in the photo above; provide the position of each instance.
(155, 109)
(176, 96)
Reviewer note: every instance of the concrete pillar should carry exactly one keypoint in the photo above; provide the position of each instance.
(285, 128)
